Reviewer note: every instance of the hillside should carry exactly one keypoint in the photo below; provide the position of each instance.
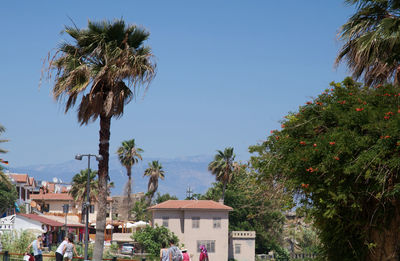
(179, 174)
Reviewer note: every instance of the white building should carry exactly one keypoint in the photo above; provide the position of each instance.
(242, 245)
(196, 222)
(25, 185)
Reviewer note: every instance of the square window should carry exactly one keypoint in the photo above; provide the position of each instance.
(217, 222)
(195, 222)
(165, 221)
(237, 248)
(209, 244)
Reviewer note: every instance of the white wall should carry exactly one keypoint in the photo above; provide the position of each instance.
(180, 222)
(245, 240)
(26, 223)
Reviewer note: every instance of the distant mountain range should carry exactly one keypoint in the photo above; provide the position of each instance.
(180, 173)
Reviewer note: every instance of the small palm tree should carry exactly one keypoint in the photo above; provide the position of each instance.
(105, 65)
(2, 129)
(79, 186)
(3, 177)
(372, 41)
(154, 171)
(223, 167)
(129, 155)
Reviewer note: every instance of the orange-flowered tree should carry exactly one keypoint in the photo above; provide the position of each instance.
(340, 153)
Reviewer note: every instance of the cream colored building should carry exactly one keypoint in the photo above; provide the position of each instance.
(196, 222)
(52, 204)
(242, 245)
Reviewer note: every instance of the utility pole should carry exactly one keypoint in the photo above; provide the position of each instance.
(65, 210)
(189, 193)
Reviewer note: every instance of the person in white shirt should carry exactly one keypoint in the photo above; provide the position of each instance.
(60, 250)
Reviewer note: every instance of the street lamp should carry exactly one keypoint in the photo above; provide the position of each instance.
(87, 203)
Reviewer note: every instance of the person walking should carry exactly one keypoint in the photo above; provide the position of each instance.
(185, 254)
(164, 252)
(203, 254)
(60, 250)
(37, 246)
(69, 249)
(174, 253)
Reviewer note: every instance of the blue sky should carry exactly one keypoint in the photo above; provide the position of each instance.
(228, 71)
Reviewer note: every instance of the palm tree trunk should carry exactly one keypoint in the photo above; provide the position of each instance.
(129, 171)
(223, 193)
(104, 145)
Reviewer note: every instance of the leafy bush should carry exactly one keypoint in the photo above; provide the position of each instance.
(16, 241)
(339, 154)
(151, 239)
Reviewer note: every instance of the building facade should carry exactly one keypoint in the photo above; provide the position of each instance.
(242, 245)
(196, 222)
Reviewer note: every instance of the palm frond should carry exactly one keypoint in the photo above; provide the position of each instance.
(105, 65)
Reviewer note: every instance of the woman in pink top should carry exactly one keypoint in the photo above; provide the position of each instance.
(185, 255)
(203, 254)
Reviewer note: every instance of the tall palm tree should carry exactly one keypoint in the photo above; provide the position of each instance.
(154, 171)
(129, 155)
(105, 64)
(223, 167)
(372, 41)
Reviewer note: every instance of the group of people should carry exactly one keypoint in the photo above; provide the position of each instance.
(173, 253)
(64, 251)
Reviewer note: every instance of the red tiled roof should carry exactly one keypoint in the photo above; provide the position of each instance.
(191, 204)
(19, 178)
(41, 219)
(51, 196)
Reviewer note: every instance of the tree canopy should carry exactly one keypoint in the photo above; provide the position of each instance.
(223, 167)
(8, 192)
(152, 238)
(154, 172)
(340, 154)
(371, 41)
(257, 205)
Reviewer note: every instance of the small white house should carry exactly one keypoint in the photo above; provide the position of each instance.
(196, 222)
(242, 245)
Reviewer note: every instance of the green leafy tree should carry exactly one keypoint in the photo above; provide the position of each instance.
(16, 241)
(340, 155)
(154, 172)
(223, 167)
(8, 192)
(372, 41)
(105, 64)
(164, 197)
(152, 238)
(257, 204)
(129, 155)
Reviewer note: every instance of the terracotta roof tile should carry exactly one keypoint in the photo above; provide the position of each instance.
(191, 204)
(51, 196)
(42, 219)
(31, 181)
(19, 178)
